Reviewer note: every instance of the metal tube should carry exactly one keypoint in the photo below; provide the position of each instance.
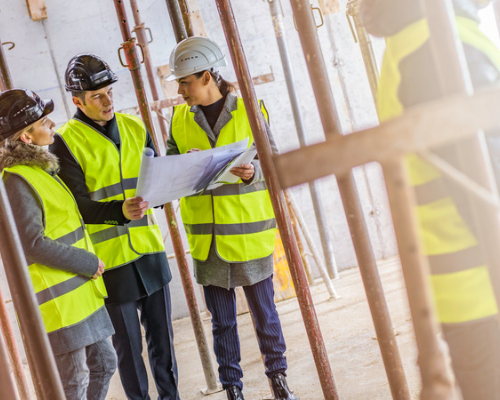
(496, 8)
(5, 77)
(300, 244)
(365, 44)
(322, 268)
(350, 198)
(279, 30)
(281, 211)
(42, 364)
(436, 383)
(186, 17)
(14, 356)
(201, 340)
(140, 32)
(7, 390)
(176, 18)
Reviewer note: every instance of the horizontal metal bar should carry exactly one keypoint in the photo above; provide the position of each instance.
(425, 126)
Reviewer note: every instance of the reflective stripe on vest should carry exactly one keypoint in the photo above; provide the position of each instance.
(460, 278)
(64, 298)
(111, 174)
(240, 216)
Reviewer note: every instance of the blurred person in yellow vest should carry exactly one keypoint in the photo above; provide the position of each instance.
(231, 229)
(66, 273)
(463, 292)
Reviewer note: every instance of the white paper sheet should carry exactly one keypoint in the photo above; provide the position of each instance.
(167, 178)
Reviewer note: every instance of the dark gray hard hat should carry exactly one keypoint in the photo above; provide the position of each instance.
(88, 72)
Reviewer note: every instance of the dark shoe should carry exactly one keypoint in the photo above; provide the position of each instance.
(234, 393)
(280, 388)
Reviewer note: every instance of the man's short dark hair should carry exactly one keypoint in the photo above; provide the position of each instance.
(80, 95)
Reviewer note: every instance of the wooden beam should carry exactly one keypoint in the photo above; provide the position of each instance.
(422, 127)
(37, 9)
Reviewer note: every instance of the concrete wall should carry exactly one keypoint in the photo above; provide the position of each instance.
(43, 49)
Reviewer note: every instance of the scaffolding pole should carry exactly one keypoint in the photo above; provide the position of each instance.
(42, 363)
(365, 44)
(319, 211)
(174, 11)
(5, 77)
(186, 17)
(140, 31)
(258, 127)
(133, 65)
(7, 389)
(350, 198)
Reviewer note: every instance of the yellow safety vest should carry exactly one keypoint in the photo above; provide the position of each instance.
(111, 174)
(64, 298)
(460, 278)
(240, 216)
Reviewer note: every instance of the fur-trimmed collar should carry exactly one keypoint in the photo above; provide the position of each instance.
(19, 153)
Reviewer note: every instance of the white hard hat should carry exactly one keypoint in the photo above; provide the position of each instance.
(195, 54)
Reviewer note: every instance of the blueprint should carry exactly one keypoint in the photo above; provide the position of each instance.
(167, 178)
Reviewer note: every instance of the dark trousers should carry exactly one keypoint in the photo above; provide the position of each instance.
(475, 357)
(155, 316)
(222, 304)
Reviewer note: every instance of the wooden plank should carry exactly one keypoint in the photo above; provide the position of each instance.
(329, 6)
(196, 20)
(37, 9)
(425, 126)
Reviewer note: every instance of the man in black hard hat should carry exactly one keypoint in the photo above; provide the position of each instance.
(65, 272)
(100, 153)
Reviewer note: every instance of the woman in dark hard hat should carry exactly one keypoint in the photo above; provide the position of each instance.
(65, 272)
(231, 229)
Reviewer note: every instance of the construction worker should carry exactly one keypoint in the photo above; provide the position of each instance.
(464, 296)
(231, 229)
(100, 154)
(65, 272)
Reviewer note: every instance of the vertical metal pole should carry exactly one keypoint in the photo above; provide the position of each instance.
(46, 377)
(5, 77)
(496, 8)
(474, 160)
(14, 356)
(186, 17)
(366, 47)
(350, 198)
(281, 211)
(436, 382)
(201, 340)
(7, 390)
(279, 30)
(176, 18)
(140, 32)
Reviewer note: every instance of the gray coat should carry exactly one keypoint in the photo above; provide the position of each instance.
(214, 271)
(30, 221)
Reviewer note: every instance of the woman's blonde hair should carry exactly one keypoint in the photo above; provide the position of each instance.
(17, 135)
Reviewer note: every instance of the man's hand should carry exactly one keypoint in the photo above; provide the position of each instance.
(193, 150)
(244, 171)
(100, 270)
(135, 208)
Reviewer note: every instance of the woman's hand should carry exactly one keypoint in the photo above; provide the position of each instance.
(244, 171)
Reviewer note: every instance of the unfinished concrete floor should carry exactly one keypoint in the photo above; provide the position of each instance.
(349, 337)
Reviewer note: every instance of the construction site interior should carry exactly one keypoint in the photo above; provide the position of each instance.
(352, 284)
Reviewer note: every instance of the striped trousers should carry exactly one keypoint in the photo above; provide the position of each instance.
(222, 305)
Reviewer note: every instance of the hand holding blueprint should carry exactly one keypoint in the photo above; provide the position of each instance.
(163, 179)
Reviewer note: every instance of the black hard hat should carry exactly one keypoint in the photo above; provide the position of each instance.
(20, 108)
(88, 72)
